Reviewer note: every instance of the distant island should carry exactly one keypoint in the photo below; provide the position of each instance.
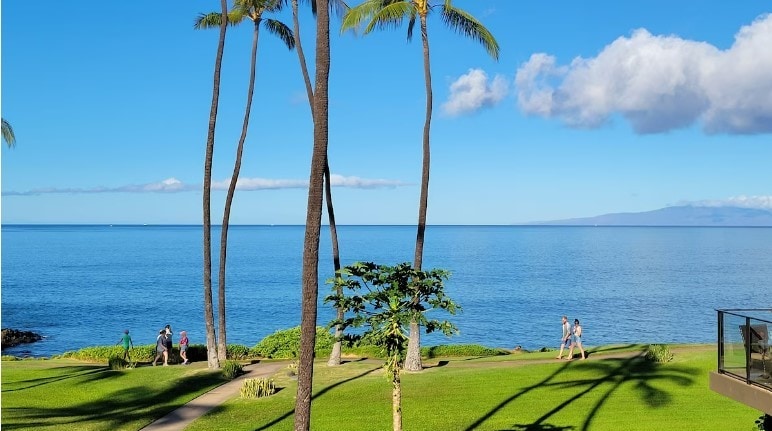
(676, 216)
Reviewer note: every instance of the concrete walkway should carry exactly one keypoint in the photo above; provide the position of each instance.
(178, 419)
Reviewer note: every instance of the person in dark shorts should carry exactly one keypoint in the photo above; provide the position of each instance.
(126, 340)
(169, 343)
(160, 348)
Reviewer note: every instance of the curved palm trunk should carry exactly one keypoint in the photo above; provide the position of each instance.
(211, 339)
(222, 345)
(313, 222)
(302, 56)
(336, 348)
(413, 358)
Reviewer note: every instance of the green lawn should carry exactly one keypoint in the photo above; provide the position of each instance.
(524, 392)
(65, 394)
(507, 393)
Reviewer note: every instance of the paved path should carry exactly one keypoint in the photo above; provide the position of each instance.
(178, 419)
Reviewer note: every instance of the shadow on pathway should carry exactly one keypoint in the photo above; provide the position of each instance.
(183, 416)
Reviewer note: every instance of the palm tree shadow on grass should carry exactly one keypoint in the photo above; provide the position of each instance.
(112, 410)
(317, 395)
(86, 373)
(541, 427)
(617, 372)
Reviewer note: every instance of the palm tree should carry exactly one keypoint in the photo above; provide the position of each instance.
(8, 136)
(337, 6)
(310, 278)
(253, 10)
(211, 339)
(383, 14)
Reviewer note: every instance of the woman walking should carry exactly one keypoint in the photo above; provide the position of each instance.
(184, 347)
(576, 340)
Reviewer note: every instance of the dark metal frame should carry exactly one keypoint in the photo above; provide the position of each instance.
(746, 343)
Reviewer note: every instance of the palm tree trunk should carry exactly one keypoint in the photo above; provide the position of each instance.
(222, 346)
(313, 222)
(336, 348)
(413, 357)
(302, 56)
(211, 339)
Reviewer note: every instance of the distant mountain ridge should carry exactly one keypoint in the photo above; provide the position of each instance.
(676, 216)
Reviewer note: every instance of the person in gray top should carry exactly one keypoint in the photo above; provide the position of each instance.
(566, 340)
(160, 348)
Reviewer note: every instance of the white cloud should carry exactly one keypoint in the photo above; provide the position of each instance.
(173, 185)
(247, 184)
(363, 183)
(472, 92)
(758, 202)
(169, 185)
(659, 83)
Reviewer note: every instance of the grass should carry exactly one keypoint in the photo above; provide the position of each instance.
(614, 390)
(64, 394)
(528, 392)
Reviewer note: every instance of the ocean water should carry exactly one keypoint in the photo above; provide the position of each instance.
(83, 285)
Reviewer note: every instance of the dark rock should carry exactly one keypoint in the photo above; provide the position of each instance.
(14, 337)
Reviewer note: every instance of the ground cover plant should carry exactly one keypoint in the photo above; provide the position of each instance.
(61, 394)
(617, 388)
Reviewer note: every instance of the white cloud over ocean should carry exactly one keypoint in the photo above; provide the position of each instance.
(173, 185)
(658, 83)
(757, 202)
(472, 92)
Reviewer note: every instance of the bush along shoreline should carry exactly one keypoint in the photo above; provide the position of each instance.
(283, 344)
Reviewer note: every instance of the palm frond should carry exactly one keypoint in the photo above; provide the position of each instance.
(8, 136)
(465, 24)
(363, 12)
(280, 30)
(261, 5)
(213, 20)
(410, 27)
(338, 8)
(391, 16)
(207, 20)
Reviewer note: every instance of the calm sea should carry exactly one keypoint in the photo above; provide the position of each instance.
(83, 285)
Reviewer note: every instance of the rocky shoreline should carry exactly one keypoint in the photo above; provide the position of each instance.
(14, 337)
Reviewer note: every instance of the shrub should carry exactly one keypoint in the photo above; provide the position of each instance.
(659, 353)
(9, 358)
(257, 388)
(231, 369)
(285, 344)
(104, 353)
(238, 352)
(460, 350)
(370, 351)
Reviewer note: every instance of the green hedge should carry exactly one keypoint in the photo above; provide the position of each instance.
(460, 350)
(285, 344)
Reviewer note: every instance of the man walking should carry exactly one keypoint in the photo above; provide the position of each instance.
(566, 340)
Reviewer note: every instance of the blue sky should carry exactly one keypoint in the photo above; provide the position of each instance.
(593, 107)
